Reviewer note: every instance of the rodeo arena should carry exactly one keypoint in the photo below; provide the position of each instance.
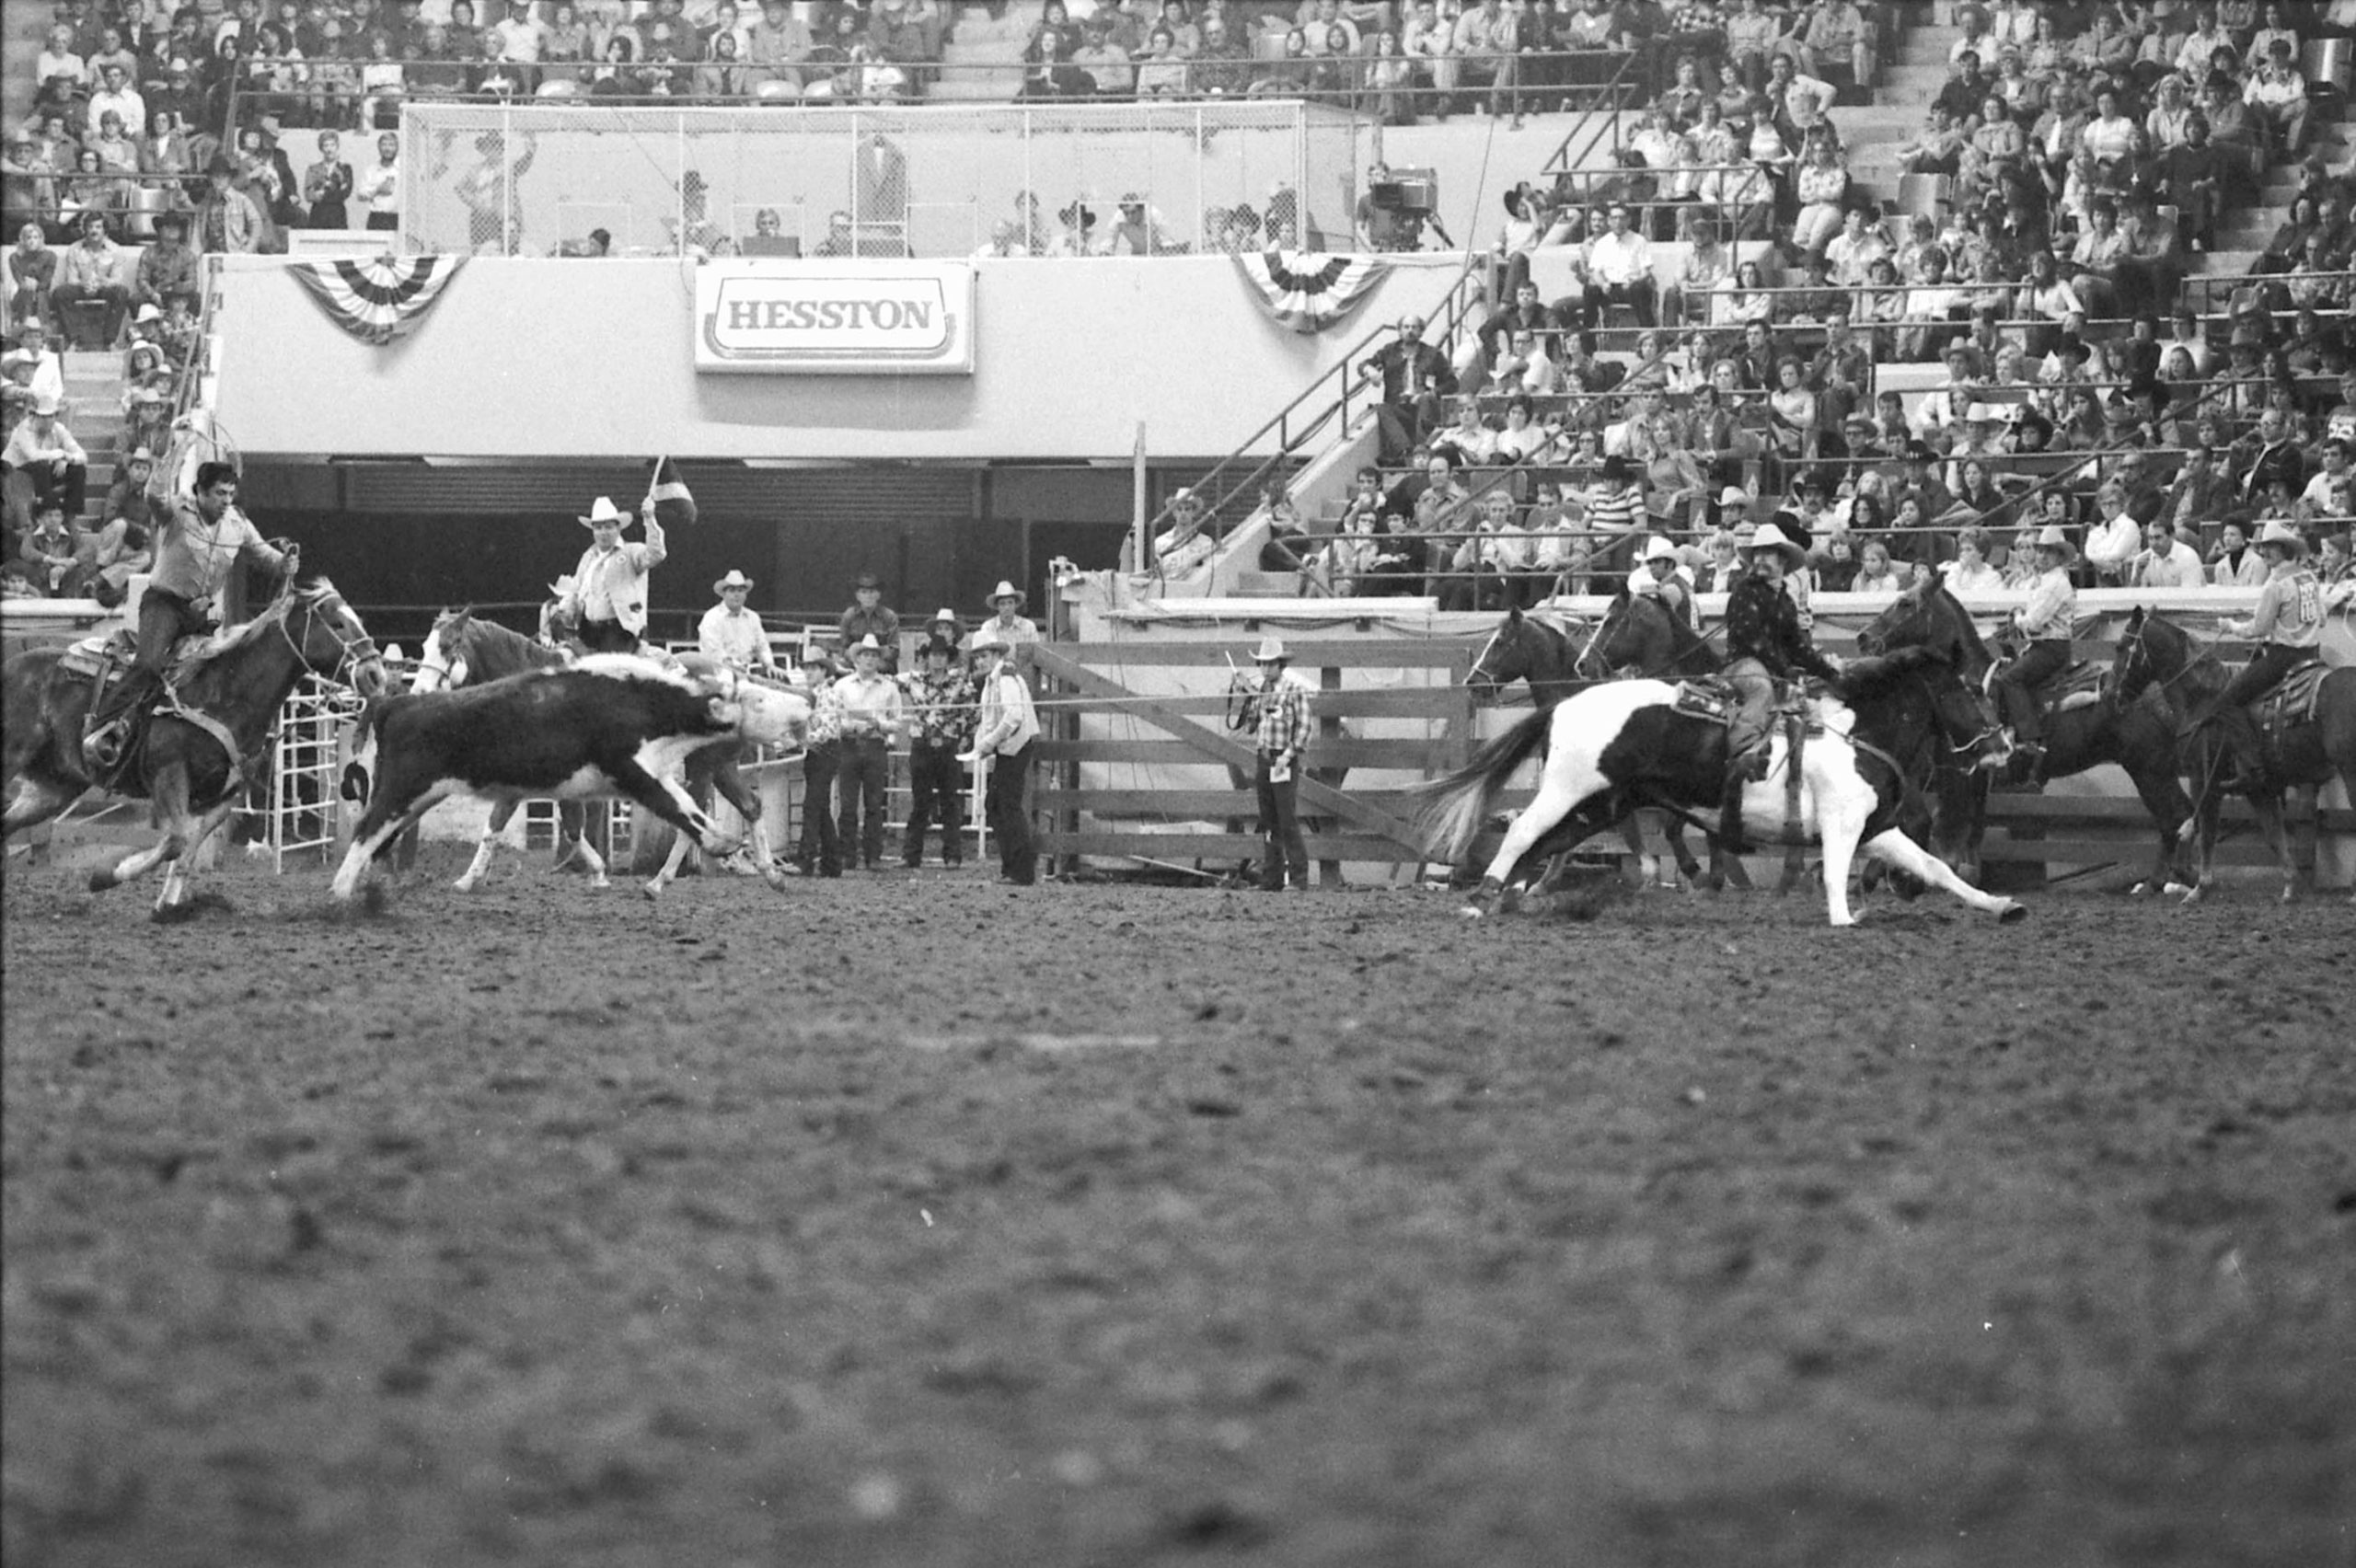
(657, 654)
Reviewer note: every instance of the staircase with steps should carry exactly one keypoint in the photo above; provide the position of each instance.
(93, 413)
(984, 58)
(1874, 132)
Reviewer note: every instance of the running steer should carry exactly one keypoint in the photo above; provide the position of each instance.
(612, 725)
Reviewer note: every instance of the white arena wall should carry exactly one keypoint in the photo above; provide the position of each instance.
(544, 358)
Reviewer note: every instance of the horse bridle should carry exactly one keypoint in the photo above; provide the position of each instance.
(364, 646)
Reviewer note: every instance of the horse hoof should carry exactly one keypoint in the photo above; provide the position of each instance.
(2174, 889)
(1472, 912)
(2012, 914)
(599, 881)
(101, 879)
(653, 890)
(2141, 890)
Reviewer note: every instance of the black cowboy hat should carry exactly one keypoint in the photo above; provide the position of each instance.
(1085, 217)
(866, 579)
(1794, 529)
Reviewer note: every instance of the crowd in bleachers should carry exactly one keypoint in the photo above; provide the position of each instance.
(1746, 330)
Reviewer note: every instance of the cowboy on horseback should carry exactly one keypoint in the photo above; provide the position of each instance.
(2288, 626)
(2045, 621)
(197, 547)
(1766, 643)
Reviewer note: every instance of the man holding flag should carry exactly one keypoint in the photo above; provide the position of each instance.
(608, 597)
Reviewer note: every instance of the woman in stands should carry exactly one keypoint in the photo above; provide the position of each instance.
(1162, 65)
(1742, 299)
(1821, 186)
(32, 269)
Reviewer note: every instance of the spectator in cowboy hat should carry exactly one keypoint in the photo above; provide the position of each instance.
(1276, 713)
(1007, 731)
(42, 460)
(945, 624)
(607, 602)
(868, 617)
(732, 634)
(872, 711)
(941, 722)
(1008, 628)
(820, 852)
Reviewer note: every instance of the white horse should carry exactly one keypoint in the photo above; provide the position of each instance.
(1611, 748)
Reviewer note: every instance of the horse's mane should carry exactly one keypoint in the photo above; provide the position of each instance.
(246, 633)
(1970, 632)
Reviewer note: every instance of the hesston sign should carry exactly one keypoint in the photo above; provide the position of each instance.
(835, 317)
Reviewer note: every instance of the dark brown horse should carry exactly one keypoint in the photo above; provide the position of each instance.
(196, 757)
(2158, 655)
(2135, 734)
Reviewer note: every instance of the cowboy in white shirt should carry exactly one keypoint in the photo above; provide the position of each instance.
(609, 598)
(2167, 561)
(1620, 268)
(732, 634)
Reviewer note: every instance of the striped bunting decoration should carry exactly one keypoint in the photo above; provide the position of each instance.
(381, 300)
(1307, 292)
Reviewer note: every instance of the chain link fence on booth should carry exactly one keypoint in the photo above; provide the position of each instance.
(538, 178)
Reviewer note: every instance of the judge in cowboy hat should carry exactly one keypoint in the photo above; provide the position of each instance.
(607, 602)
(1008, 627)
(1276, 713)
(2287, 626)
(732, 634)
(869, 616)
(2044, 623)
(1765, 644)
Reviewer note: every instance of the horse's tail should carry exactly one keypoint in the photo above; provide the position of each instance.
(1453, 808)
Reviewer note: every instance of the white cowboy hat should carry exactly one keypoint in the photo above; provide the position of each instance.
(944, 615)
(149, 313)
(1770, 537)
(1271, 649)
(1006, 590)
(2278, 532)
(1734, 495)
(46, 404)
(603, 510)
(735, 578)
(563, 585)
(814, 652)
(867, 645)
(2051, 537)
(1658, 548)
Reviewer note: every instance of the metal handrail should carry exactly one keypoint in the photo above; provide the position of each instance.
(1615, 94)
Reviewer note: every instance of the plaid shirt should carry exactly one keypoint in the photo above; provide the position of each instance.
(1283, 704)
(940, 707)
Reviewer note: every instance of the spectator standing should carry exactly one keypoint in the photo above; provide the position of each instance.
(380, 187)
(1008, 627)
(608, 599)
(870, 709)
(867, 618)
(227, 222)
(328, 186)
(820, 852)
(940, 722)
(1278, 711)
(732, 634)
(1008, 731)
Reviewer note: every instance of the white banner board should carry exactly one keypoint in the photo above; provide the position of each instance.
(849, 316)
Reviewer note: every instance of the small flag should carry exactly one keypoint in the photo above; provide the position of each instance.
(674, 507)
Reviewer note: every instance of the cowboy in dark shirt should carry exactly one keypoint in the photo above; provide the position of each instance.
(1766, 643)
(1416, 378)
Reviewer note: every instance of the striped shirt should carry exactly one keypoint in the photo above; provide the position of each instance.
(1615, 514)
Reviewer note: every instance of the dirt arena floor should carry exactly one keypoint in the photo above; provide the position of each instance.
(916, 1221)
